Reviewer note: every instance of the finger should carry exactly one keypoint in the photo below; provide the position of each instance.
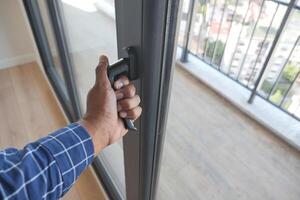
(131, 114)
(128, 104)
(122, 81)
(101, 70)
(127, 91)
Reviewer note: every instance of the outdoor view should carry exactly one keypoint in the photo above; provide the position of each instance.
(236, 36)
(212, 150)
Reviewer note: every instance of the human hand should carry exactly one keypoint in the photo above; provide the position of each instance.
(106, 107)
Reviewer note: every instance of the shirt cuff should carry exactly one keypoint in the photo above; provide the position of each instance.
(73, 150)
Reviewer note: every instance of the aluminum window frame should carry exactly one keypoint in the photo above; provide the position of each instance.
(150, 27)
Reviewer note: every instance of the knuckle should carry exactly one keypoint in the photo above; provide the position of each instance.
(133, 113)
(131, 90)
(124, 78)
(130, 113)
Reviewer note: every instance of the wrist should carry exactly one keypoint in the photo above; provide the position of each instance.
(99, 141)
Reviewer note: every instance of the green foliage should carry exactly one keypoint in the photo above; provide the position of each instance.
(202, 9)
(202, 2)
(219, 47)
(287, 103)
(290, 72)
(266, 86)
(288, 75)
(276, 97)
(231, 2)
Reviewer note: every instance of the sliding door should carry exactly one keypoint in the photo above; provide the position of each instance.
(71, 34)
(90, 29)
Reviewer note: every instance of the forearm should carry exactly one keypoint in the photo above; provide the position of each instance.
(47, 167)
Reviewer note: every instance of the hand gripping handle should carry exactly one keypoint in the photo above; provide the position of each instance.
(126, 67)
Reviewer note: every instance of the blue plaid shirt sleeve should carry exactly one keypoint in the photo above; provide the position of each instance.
(47, 168)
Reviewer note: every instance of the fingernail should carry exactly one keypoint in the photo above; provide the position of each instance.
(119, 107)
(102, 60)
(119, 95)
(123, 114)
(119, 84)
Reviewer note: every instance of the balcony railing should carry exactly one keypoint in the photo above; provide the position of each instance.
(256, 43)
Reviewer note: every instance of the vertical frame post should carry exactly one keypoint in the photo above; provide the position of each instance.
(62, 89)
(61, 40)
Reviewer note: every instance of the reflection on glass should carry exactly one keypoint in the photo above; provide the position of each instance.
(51, 39)
(91, 31)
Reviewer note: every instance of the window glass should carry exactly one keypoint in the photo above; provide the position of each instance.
(91, 30)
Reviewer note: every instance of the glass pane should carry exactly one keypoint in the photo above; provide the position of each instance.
(235, 19)
(287, 82)
(183, 22)
(51, 39)
(228, 14)
(91, 30)
(291, 103)
(284, 64)
(211, 150)
(249, 37)
(199, 30)
(218, 9)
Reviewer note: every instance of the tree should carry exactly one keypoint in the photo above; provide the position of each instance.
(266, 86)
(290, 72)
(276, 97)
(218, 47)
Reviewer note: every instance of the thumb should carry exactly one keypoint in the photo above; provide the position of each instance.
(101, 70)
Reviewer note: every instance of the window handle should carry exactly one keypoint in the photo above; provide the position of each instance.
(124, 67)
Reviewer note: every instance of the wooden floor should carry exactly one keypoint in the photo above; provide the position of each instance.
(29, 111)
(213, 151)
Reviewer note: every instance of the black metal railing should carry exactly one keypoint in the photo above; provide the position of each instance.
(254, 42)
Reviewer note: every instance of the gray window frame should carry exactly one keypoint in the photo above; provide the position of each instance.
(150, 27)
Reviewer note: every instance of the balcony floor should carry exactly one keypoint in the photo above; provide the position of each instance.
(214, 151)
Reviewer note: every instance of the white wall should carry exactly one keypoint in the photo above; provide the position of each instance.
(16, 41)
